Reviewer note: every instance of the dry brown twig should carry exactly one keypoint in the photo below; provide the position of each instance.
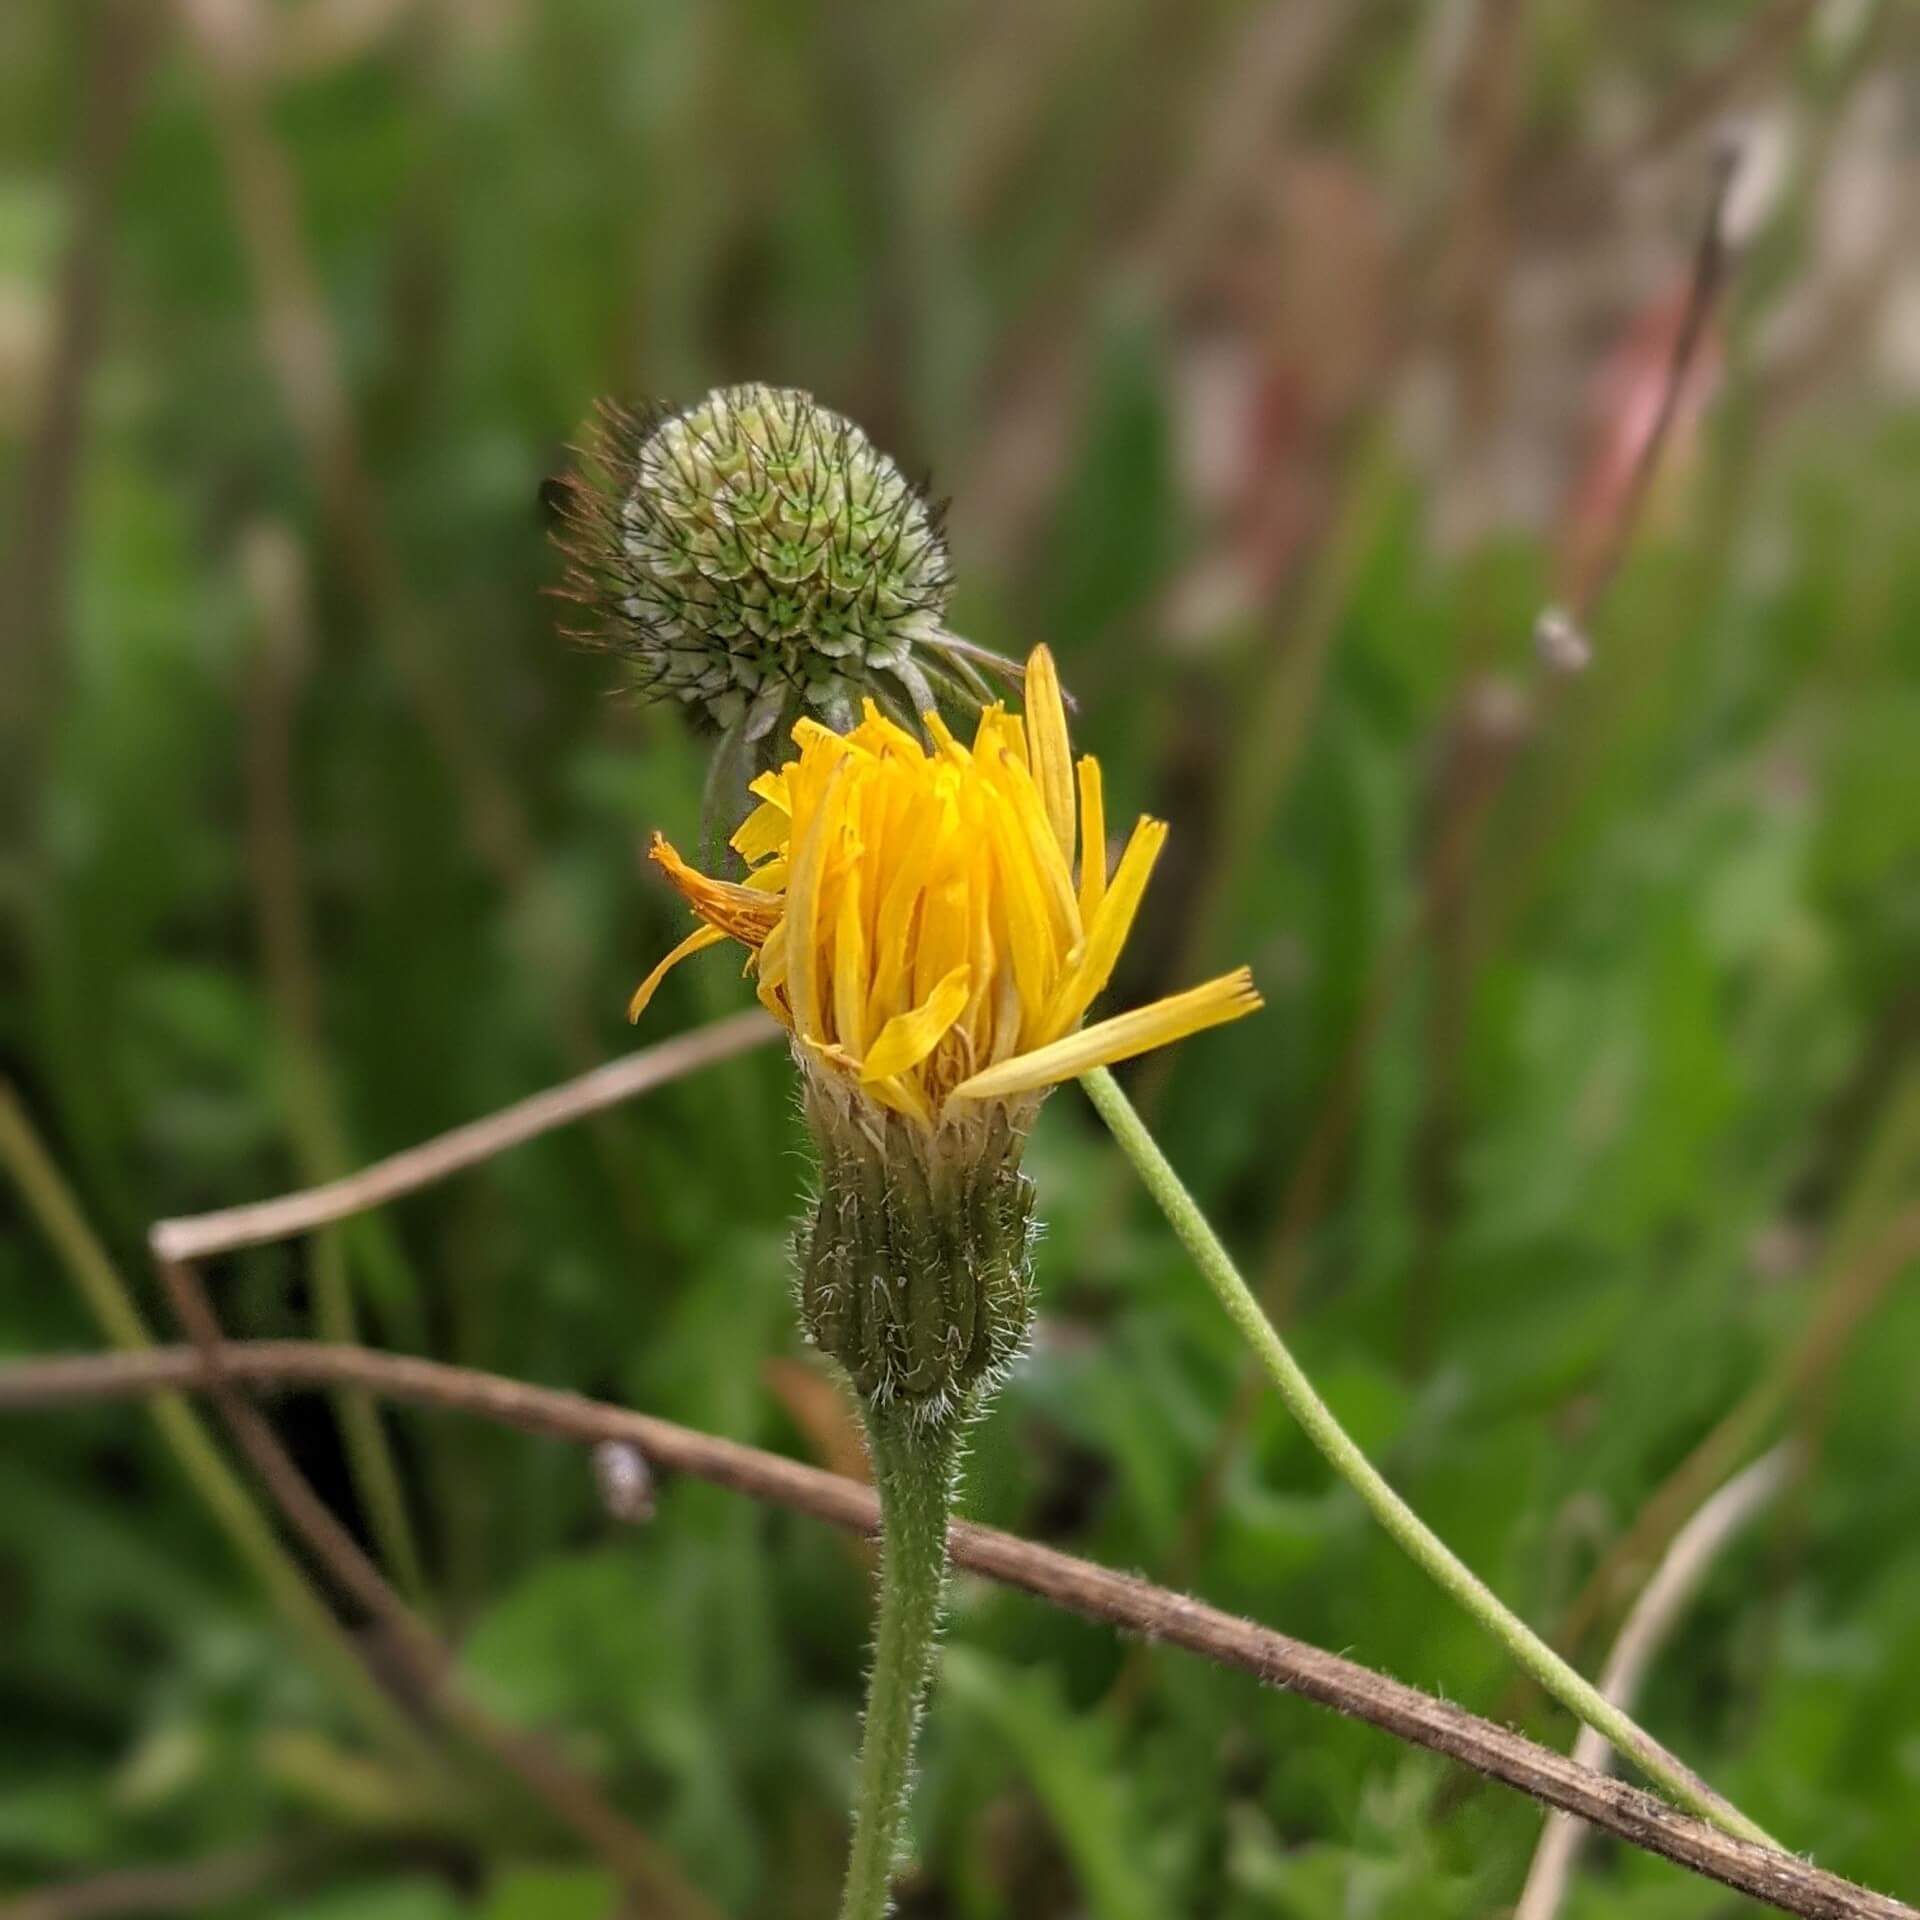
(221, 1367)
(190, 1888)
(405, 1172)
(1778, 1879)
(1711, 261)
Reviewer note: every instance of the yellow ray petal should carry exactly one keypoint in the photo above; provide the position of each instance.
(1004, 1042)
(998, 728)
(697, 941)
(901, 877)
(1093, 840)
(1120, 1038)
(908, 1038)
(770, 964)
(1083, 981)
(941, 938)
(881, 734)
(850, 969)
(1055, 875)
(747, 915)
(942, 737)
(802, 918)
(764, 831)
(809, 735)
(1026, 926)
(902, 1096)
(1049, 752)
(898, 1092)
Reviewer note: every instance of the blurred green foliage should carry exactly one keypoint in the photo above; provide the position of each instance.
(320, 842)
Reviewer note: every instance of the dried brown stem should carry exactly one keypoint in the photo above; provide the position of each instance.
(1779, 1880)
(197, 1886)
(1711, 260)
(405, 1172)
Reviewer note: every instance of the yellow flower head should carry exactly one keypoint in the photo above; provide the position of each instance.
(932, 926)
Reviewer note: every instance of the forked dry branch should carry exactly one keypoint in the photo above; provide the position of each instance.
(1155, 1613)
(1780, 1880)
(219, 1366)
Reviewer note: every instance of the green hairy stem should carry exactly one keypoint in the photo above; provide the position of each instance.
(1408, 1530)
(915, 1465)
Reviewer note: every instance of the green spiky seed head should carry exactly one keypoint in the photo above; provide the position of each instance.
(757, 557)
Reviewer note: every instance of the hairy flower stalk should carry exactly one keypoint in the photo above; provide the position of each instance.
(931, 922)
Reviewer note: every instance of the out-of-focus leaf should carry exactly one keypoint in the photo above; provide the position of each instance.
(378, 1900)
(1071, 1762)
(551, 1893)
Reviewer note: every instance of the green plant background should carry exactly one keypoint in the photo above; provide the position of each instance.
(321, 841)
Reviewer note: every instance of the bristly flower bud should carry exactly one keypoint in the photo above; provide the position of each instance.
(915, 1265)
(758, 558)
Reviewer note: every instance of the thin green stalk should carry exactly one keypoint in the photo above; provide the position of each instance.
(1408, 1530)
(914, 1466)
(247, 1529)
